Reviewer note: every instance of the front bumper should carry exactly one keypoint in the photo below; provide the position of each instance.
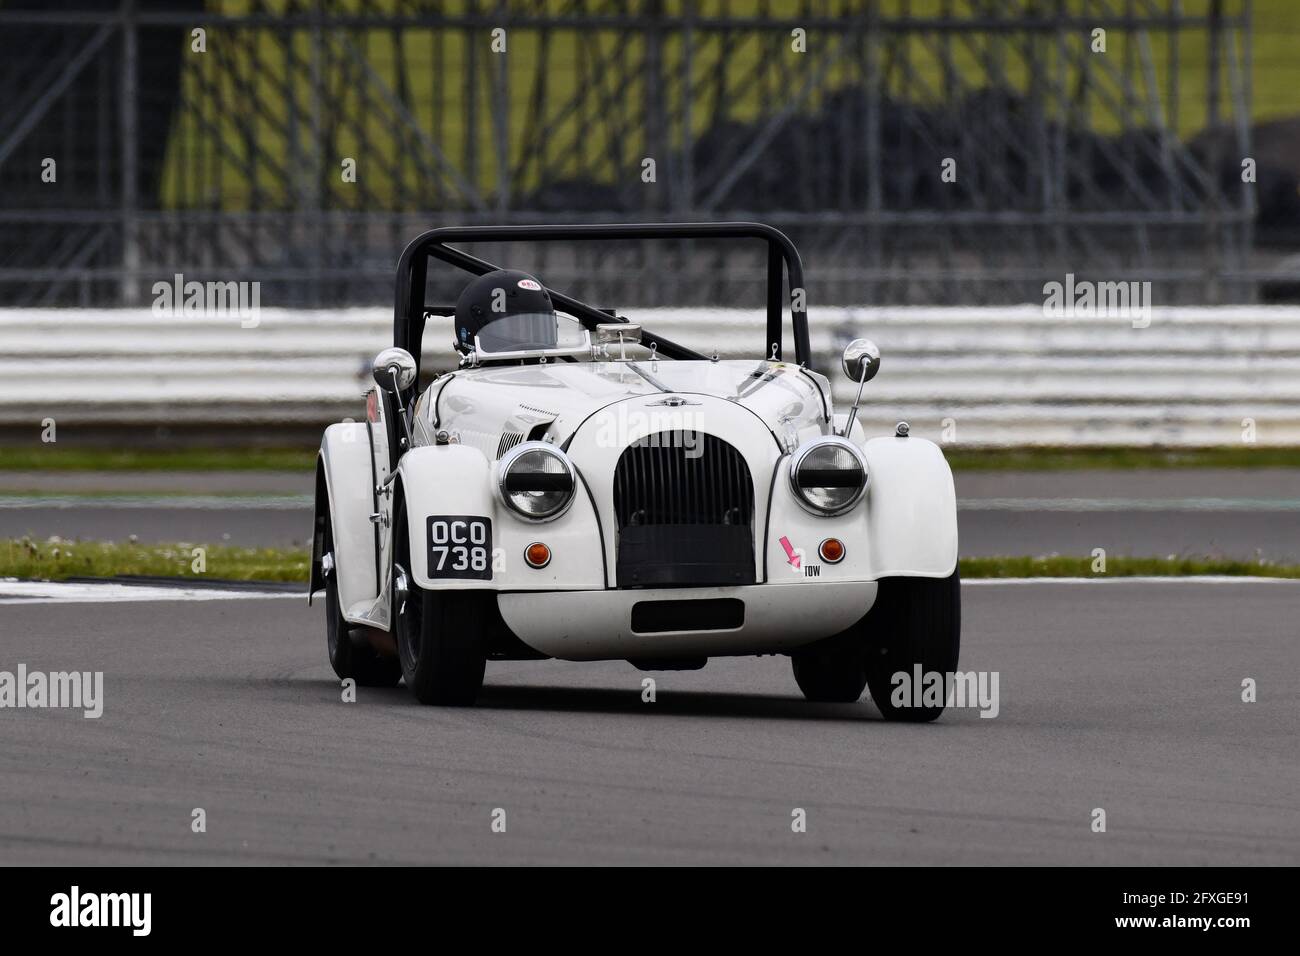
(598, 625)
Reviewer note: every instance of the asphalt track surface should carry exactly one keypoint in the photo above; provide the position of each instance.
(1121, 695)
(1215, 513)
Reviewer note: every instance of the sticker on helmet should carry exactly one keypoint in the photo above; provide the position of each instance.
(530, 284)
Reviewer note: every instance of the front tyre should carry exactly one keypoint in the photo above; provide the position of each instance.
(915, 622)
(832, 671)
(438, 633)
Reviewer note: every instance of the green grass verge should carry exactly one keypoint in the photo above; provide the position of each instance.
(57, 560)
(53, 458)
(1119, 567)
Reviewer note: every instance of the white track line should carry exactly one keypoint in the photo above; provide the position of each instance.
(62, 592)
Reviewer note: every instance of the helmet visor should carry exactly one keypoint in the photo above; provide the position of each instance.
(523, 331)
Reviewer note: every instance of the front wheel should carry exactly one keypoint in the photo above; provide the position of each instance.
(438, 633)
(832, 671)
(914, 626)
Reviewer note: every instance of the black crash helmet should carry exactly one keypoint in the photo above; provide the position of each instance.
(505, 311)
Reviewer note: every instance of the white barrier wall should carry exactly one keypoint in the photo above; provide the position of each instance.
(973, 375)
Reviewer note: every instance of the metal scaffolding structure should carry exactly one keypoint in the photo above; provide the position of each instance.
(834, 121)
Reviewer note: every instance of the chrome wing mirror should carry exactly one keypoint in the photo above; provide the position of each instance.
(394, 371)
(861, 363)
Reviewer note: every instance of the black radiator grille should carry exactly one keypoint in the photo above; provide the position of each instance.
(682, 478)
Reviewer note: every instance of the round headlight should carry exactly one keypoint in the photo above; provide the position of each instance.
(828, 475)
(537, 480)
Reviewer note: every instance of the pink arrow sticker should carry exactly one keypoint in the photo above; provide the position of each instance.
(789, 551)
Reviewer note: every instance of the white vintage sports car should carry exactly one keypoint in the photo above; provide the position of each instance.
(583, 489)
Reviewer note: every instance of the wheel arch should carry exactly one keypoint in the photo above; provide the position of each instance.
(344, 498)
(319, 521)
(499, 641)
(911, 511)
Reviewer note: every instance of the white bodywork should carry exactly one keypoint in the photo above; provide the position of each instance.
(905, 525)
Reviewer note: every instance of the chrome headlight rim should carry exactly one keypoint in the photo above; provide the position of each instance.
(512, 456)
(797, 459)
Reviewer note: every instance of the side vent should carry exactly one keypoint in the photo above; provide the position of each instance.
(508, 440)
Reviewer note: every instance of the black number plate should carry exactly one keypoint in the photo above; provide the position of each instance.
(460, 546)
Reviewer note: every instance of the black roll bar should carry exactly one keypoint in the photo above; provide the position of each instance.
(409, 314)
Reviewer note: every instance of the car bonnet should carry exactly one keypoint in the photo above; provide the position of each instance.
(494, 406)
